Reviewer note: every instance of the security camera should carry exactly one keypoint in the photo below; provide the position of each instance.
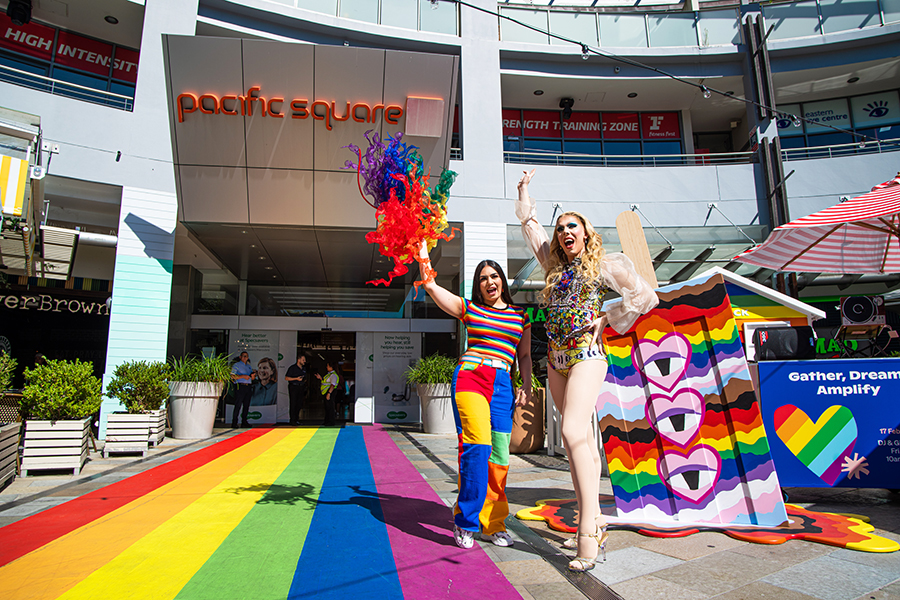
(19, 12)
(566, 105)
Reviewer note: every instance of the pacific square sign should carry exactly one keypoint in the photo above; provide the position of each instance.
(300, 108)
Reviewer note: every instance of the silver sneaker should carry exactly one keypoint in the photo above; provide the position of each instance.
(464, 539)
(501, 538)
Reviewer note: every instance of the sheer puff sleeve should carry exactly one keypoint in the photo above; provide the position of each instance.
(534, 234)
(638, 297)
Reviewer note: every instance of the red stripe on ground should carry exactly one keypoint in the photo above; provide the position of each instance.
(19, 538)
(429, 563)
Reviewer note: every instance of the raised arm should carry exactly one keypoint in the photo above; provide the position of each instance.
(447, 301)
(532, 231)
(638, 297)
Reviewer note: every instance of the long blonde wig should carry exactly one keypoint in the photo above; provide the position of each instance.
(557, 262)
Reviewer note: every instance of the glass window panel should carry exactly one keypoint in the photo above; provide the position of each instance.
(440, 18)
(822, 116)
(548, 146)
(888, 133)
(622, 148)
(660, 149)
(360, 10)
(623, 31)
(891, 10)
(792, 20)
(513, 32)
(874, 110)
(511, 144)
(844, 15)
(23, 64)
(672, 30)
(581, 26)
(793, 142)
(581, 147)
(830, 139)
(400, 13)
(329, 7)
(98, 83)
(719, 28)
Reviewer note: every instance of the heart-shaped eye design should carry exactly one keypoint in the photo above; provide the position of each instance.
(676, 418)
(665, 362)
(690, 476)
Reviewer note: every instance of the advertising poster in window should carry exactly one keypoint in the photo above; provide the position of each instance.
(541, 124)
(262, 347)
(512, 122)
(821, 116)
(32, 39)
(786, 126)
(582, 125)
(395, 401)
(621, 126)
(83, 53)
(660, 126)
(833, 423)
(876, 110)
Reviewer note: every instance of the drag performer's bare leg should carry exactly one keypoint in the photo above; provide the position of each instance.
(576, 397)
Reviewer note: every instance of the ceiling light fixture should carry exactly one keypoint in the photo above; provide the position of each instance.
(538, 92)
(632, 95)
(853, 80)
(111, 20)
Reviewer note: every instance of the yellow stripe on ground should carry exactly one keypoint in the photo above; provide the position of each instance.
(55, 567)
(160, 564)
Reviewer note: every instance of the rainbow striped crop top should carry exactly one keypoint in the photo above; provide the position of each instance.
(494, 332)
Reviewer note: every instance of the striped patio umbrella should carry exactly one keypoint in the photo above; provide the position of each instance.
(858, 236)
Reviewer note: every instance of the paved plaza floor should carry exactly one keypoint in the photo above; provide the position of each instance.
(363, 512)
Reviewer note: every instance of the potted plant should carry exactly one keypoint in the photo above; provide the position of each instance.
(57, 403)
(195, 385)
(143, 388)
(9, 432)
(432, 376)
(529, 421)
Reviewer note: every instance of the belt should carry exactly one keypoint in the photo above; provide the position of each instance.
(487, 362)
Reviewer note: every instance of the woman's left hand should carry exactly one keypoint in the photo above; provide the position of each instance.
(522, 397)
(597, 328)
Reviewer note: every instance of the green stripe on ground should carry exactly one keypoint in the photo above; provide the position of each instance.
(258, 559)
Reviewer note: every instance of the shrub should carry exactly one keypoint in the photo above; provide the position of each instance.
(535, 382)
(61, 390)
(215, 368)
(431, 369)
(7, 370)
(140, 385)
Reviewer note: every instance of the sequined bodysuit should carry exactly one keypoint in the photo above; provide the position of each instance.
(574, 305)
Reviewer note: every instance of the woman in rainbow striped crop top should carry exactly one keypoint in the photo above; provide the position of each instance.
(483, 400)
(578, 273)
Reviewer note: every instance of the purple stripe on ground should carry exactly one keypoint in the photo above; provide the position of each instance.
(429, 564)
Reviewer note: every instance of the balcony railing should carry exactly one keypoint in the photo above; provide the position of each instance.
(593, 160)
(878, 147)
(64, 88)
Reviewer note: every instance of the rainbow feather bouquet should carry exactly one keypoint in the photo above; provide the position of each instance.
(407, 211)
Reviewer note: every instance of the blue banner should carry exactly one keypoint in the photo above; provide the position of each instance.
(833, 423)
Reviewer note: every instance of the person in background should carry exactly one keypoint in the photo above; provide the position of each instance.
(298, 384)
(242, 375)
(326, 387)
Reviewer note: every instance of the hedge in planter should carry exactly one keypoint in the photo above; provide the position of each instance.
(57, 403)
(143, 388)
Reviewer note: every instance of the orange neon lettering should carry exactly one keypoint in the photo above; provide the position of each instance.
(181, 109)
(243, 101)
(224, 110)
(375, 110)
(251, 98)
(346, 114)
(277, 114)
(361, 105)
(265, 106)
(203, 109)
(299, 109)
(389, 113)
(326, 116)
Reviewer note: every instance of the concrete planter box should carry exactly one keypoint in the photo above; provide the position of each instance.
(55, 445)
(193, 408)
(134, 432)
(437, 408)
(9, 448)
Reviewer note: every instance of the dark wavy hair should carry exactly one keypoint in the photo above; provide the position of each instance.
(476, 288)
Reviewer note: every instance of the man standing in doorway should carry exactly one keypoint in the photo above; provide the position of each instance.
(296, 376)
(326, 387)
(242, 374)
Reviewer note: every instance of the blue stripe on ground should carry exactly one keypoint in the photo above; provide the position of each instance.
(347, 553)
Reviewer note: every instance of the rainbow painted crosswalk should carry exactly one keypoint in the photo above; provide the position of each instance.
(267, 514)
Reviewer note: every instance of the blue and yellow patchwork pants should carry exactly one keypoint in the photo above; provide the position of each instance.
(483, 409)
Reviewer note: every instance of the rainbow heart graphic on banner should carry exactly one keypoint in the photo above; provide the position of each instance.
(822, 445)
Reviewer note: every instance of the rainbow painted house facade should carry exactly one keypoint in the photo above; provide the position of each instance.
(680, 422)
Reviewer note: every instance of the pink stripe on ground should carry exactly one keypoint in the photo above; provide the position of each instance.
(429, 564)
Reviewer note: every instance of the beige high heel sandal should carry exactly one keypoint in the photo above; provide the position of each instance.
(580, 564)
(572, 542)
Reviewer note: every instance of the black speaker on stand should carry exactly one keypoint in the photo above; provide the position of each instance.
(862, 320)
(784, 343)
